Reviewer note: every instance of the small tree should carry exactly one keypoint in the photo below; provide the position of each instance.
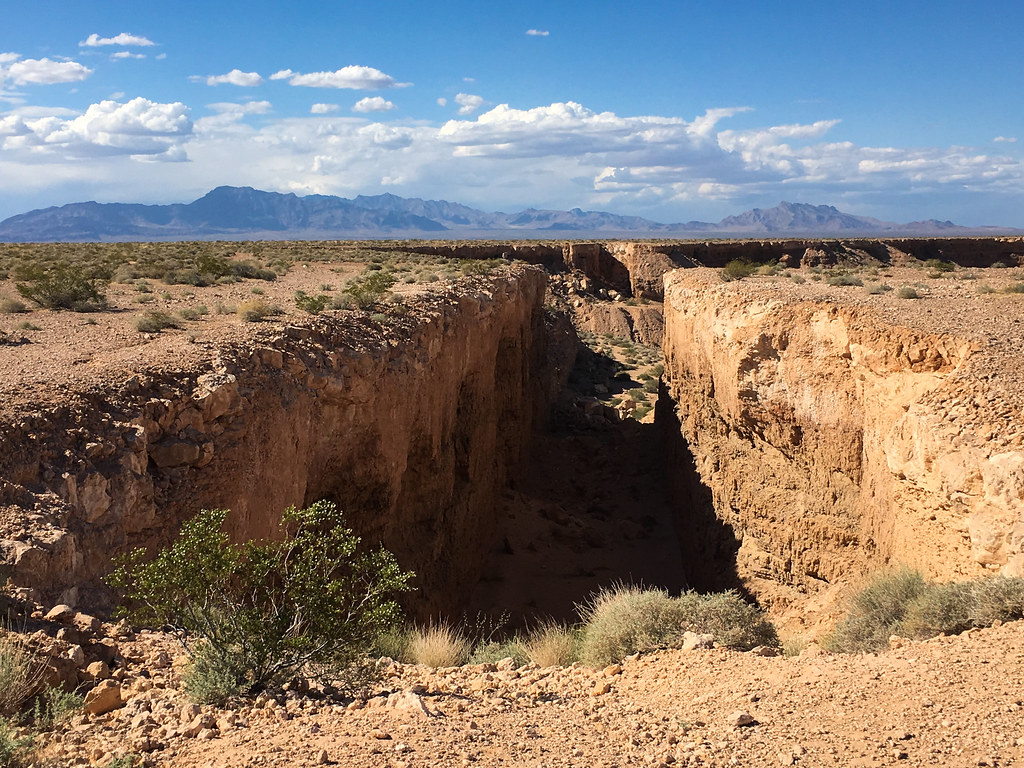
(253, 616)
(62, 285)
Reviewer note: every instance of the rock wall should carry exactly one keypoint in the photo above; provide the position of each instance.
(826, 442)
(414, 427)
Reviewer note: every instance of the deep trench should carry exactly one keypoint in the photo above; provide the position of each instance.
(602, 502)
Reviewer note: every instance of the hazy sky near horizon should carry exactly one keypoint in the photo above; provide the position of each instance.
(673, 110)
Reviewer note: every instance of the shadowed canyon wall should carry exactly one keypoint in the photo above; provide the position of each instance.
(414, 432)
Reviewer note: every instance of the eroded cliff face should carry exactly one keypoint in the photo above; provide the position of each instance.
(413, 424)
(830, 442)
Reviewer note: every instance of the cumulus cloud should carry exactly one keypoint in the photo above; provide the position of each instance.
(323, 109)
(234, 77)
(538, 32)
(373, 104)
(137, 127)
(40, 71)
(351, 77)
(468, 103)
(124, 39)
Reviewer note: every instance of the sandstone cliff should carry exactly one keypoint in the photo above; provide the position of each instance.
(830, 442)
(413, 423)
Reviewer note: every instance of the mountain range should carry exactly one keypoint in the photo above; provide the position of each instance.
(244, 213)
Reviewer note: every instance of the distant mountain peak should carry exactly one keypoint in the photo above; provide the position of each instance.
(238, 213)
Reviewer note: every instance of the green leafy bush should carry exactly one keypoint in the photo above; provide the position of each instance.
(253, 616)
(938, 265)
(62, 285)
(737, 269)
(14, 750)
(370, 288)
(312, 304)
(154, 321)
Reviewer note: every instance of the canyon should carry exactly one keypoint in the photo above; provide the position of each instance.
(806, 433)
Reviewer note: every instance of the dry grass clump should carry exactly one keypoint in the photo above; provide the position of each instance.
(903, 603)
(255, 310)
(438, 645)
(20, 674)
(552, 645)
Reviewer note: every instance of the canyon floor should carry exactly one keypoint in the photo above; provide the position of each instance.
(949, 701)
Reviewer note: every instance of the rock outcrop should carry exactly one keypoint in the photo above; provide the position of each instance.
(827, 442)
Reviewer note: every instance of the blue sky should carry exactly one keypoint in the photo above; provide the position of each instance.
(669, 110)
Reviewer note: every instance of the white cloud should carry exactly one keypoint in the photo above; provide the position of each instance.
(1007, 139)
(468, 103)
(538, 32)
(351, 77)
(40, 71)
(373, 104)
(125, 39)
(442, 101)
(248, 108)
(137, 127)
(323, 109)
(127, 55)
(234, 77)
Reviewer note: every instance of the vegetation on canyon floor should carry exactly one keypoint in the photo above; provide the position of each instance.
(904, 603)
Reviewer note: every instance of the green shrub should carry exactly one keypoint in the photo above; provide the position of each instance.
(54, 706)
(312, 304)
(438, 645)
(875, 613)
(624, 620)
(997, 599)
(737, 269)
(941, 609)
(1014, 288)
(14, 750)
(877, 288)
(369, 289)
(62, 285)
(255, 310)
(938, 265)
(256, 615)
(493, 651)
(908, 292)
(154, 321)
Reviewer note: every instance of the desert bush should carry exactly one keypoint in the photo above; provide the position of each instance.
(20, 674)
(154, 321)
(940, 609)
(493, 651)
(255, 310)
(875, 612)
(10, 306)
(877, 288)
(841, 280)
(62, 285)
(312, 304)
(1014, 288)
(908, 292)
(14, 750)
(253, 616)
(370, 288)
(997, 599)
(55, 706)
(938, 265)
(624, 620)
(438, 645)
(190, 313)
(552, 645)
(737, 269)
